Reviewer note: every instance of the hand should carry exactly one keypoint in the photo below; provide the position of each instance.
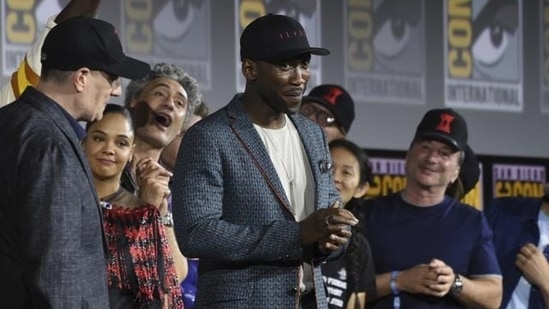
(533, 265)
(416, 280)
(331, 225)
(435, 279)
(334, 241)
(445, 278)
(153, 181)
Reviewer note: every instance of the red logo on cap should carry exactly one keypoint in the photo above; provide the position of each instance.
(445, 122)
(332, 95)
(289, 34)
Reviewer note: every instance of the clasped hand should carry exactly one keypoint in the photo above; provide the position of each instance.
(330, 227)
(153, 180)
(435, 279)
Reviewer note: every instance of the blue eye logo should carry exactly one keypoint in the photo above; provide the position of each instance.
(495, 47)
(483, 60)
(385, 49)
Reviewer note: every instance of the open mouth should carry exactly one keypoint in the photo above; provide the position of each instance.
(162, 119)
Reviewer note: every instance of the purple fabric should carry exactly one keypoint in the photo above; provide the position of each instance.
(188, 286)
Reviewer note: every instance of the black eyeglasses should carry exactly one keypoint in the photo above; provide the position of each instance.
(323, 118)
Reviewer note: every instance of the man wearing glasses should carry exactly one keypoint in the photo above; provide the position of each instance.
(331, 107)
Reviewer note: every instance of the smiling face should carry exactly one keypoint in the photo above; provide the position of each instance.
(347, 175)
(432, 164)
(159, 111)
(282, 85)
(109, 146)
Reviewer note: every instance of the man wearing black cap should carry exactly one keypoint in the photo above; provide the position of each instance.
(51, 241)
(254, 198)
(332, 107)
(429, 250)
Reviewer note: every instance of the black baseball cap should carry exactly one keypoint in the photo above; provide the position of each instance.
(445, 125)
(273, 38)
(88, 42)
(469, 172)
(337, 100)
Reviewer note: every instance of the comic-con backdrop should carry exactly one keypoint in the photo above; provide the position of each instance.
(488, 59)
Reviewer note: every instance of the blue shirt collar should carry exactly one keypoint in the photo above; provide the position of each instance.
(78, 129)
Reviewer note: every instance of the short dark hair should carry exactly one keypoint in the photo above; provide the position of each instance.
(55, 75)
(115, 109)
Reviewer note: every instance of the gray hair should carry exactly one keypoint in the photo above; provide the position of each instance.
(172, 71)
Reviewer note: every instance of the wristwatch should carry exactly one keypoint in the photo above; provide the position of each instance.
(457, 286)
(167, 220)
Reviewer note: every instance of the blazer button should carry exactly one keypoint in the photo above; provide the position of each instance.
(294, 290)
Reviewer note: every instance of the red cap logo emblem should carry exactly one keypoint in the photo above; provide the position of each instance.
(332, 95)
(445, 122)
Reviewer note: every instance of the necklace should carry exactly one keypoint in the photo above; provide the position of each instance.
(281, 148)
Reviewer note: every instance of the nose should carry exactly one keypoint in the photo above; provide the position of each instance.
(109, 148)
(299, 76)
(169, 102)
(116, 88)
(336, 174)
(433, 155)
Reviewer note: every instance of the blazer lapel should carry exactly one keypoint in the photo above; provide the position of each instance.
(315, 153)
(53, 111)
(244, 130)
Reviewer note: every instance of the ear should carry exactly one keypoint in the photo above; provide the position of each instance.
(131, 153)
(361, 191)
(249, 69)
(80, 78)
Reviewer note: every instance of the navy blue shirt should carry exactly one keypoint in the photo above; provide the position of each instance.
(402, 236)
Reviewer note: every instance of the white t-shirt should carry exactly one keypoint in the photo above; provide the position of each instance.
(292, 166)
(294, 171)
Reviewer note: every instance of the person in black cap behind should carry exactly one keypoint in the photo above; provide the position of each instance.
(254, 198)
(429, 250)
(51, 240)
(469, 174)
(332, 107)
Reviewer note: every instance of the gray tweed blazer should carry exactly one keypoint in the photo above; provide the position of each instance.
(51, 241)
(230, 210)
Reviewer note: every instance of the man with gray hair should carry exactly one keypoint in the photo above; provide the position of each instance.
(51, 242)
